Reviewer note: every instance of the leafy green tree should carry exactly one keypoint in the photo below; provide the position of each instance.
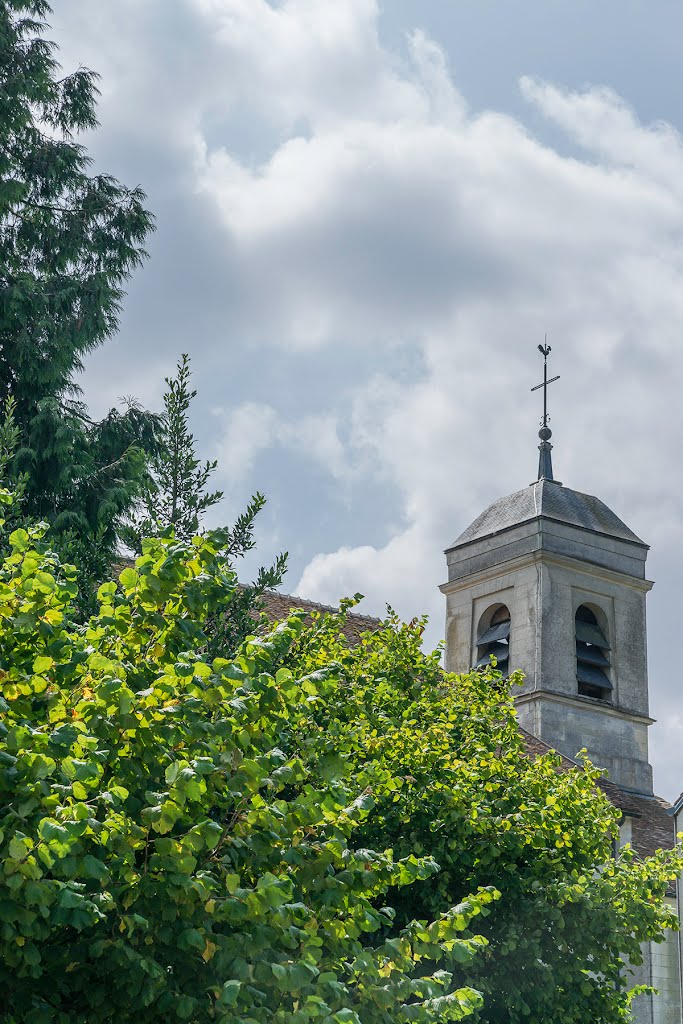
(68, 242)
(462, 789)
(226, 629)
(168, 849)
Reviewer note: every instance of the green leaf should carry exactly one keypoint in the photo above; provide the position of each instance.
(19, 847)
(94, 868)
(230, 993)
(19, 539)
(129, 578)
(185, 1008)
(193, 938)
(106, 591)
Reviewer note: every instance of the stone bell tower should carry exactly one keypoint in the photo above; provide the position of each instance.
(552, 582)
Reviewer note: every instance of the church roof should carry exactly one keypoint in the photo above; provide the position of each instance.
(547, 499)
(279, 606)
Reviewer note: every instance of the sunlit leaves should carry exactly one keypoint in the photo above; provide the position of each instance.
(170, 849)
(452, 780)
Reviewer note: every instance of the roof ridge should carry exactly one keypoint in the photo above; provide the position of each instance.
(308, 604)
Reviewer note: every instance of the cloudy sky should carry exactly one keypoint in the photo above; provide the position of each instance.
(368, 215)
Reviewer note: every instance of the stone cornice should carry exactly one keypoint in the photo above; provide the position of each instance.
(584, 703)
(512, 565)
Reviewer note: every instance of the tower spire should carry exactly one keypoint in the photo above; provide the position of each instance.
(545, 460)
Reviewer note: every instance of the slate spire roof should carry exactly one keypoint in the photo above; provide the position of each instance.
(547, 499)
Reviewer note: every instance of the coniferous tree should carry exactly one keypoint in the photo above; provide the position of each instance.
(175, 501)
(69, 240)
(175, 493)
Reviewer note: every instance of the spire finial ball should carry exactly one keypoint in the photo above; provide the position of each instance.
(545, 433)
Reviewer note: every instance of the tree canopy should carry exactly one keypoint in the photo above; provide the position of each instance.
(69, 240)
(175, 500)
(264, 837)
(169, 850)
(462, 788)
(197, 826)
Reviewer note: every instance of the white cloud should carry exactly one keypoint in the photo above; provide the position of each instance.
(250, 428)
(603, 124)
(470, 238)
(384, 576)
(254, 427)
(306, 63)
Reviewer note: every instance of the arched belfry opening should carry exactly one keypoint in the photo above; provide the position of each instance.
(593, 660)
(493, 638)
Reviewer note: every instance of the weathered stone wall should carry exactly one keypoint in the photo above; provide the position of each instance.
(666, 979)
(543, 570)
(661, 969)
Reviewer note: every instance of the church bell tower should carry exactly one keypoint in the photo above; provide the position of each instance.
(550, 581)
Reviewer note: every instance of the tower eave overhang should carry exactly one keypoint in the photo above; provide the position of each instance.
(544, 536)
(491, 570)
(459, 544)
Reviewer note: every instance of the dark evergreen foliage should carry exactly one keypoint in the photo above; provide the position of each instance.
(231, 624)
(69, 240)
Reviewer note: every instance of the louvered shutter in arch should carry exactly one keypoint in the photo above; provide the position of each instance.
(493, 638)
(593, 653)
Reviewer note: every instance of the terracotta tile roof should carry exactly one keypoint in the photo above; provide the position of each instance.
(653, 829)
(279, 606)
(536, 748)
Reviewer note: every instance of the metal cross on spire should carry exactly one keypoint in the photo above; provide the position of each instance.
(545, 462)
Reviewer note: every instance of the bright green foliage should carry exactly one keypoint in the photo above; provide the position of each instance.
(461, 788)
(68, 242)
(168, 849)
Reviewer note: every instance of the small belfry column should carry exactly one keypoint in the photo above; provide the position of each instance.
(564, 578)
